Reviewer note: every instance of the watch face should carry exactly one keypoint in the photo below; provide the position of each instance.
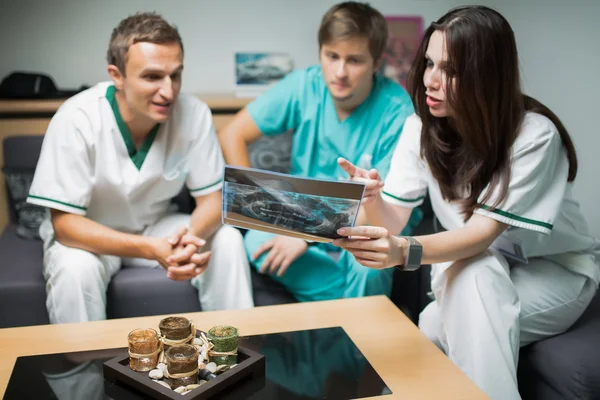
(414, 256)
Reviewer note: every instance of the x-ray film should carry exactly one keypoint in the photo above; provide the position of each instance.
(283, 204)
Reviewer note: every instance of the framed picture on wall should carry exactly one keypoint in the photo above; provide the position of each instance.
(256, 72)
(404, 37)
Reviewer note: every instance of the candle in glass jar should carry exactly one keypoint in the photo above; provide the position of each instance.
(144, 349)
(182, 365)
(225, 341)
(176, 330)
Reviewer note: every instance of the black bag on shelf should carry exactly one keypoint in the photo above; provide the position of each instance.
(28, 85)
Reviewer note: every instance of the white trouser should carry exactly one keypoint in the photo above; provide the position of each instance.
(77, 280)
(485, 310)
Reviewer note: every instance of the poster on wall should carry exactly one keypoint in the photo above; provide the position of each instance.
(404, 37)
(256, 72)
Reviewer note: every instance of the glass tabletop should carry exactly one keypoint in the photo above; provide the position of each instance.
(311, 364)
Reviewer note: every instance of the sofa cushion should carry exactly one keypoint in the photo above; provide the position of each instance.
(136, 292)
(21, 154)
(29, 216)
(272, 152)
(22, 286)
(565, 366)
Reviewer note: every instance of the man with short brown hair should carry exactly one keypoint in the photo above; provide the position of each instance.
(141, 27)
(350, 20)
(113, 158)
(341, 108)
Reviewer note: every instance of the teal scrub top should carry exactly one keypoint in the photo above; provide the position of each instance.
(301, 102)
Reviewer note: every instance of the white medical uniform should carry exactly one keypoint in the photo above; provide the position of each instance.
(89, 166)
(487, 306)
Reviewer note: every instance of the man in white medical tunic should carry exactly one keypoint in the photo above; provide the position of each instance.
(113, 158)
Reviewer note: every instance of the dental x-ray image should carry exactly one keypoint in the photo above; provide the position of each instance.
(288, 205)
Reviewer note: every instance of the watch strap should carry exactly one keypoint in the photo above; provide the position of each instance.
(412, 244)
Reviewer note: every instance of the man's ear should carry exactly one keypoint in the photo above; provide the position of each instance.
(116, 76)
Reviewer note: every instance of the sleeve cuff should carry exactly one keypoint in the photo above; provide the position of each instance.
(208, 189)
(260, 122)
(56, 204)
(402, 201)
(514, 220)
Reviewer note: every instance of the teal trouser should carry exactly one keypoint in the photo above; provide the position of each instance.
(320, 275)
(315, 275)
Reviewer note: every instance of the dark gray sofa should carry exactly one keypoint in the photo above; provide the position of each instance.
(564, 367)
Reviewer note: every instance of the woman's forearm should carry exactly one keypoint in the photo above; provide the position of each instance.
(472, 239)
(391, 217)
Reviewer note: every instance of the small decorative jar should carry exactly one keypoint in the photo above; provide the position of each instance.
(182, 365)
(144, 349)
(176, 330)
(225, 341)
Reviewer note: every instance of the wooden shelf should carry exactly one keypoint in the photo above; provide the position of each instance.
(29, 106)
(217, 101)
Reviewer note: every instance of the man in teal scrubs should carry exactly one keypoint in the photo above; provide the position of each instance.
(338, 109)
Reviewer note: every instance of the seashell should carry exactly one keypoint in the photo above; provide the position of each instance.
(180, 389)
(222, 368)
(211, 367)
(165, 384)
(156, 374)
(192, 387)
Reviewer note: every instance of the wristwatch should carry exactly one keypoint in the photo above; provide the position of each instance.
(414, 253)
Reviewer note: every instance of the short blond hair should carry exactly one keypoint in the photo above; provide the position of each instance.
(141, 27)
(350, 19)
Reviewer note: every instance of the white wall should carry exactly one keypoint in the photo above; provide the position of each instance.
(68, 38)
(559, 47)
(557, 39)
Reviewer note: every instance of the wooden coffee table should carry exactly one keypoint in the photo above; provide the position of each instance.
(406, 360)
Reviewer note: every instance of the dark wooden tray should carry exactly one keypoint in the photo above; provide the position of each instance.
(250, 368)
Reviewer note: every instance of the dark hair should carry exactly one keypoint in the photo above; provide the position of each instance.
(141, 27)
(473, 149)
(350, 19)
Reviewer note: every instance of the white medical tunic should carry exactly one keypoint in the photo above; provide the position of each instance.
(89, 164)
(542, 215)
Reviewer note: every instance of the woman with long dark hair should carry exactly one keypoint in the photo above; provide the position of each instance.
(516, 263)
